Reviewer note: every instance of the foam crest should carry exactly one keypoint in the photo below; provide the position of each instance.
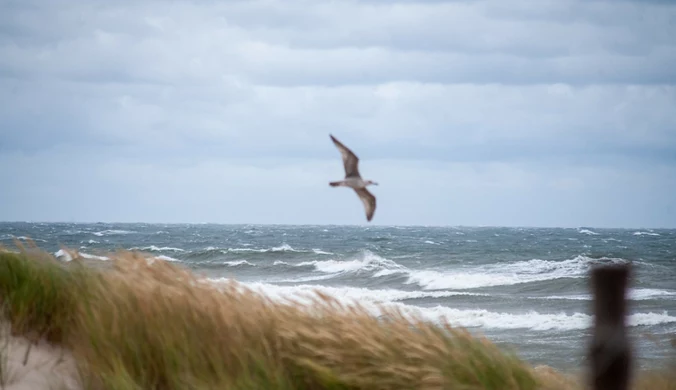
(65, 256)
(588, 232)
(24, 238)
(112, 232)
(646, 234)
(93, 257)
(166, 258)
(154, 248)
(505, 274)
(368, 262)
(344, 294)
(377, 300)
(236, 263)
(639, 294)
(281, 248)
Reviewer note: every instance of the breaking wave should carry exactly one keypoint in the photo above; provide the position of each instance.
(506, 274)
(481, 276)
(376, 300)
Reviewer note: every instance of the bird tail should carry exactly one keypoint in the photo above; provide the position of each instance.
(336, 183)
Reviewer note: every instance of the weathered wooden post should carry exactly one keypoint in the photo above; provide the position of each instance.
(609, 350)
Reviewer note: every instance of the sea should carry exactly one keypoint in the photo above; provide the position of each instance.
(525, 289)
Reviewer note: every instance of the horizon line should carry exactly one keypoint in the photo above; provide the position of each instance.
(345, 225)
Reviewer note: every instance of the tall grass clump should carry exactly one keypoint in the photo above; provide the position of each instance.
(158, 326)
(37, 294)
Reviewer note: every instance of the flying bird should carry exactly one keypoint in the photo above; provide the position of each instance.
(353, 179)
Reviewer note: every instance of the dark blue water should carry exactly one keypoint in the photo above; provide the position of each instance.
(525, 288)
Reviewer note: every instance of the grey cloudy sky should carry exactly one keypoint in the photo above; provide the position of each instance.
(512, 113)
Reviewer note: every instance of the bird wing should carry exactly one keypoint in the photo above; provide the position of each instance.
(350, 160)
(368, 200)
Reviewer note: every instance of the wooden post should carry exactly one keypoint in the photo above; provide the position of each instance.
(610, 352)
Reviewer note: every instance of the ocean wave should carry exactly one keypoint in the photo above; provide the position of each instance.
(21, 238)
(166, 258)
(377, 300)
(639, 294)
(505, 274)
(281, 248)
(347, 294)
(154, 248)
(529, 271)
(646, 234)
(65, 256)
(212, 251)
(93, 257)
(587, 231)
(112, 232)
(368, 262)
(236, 263)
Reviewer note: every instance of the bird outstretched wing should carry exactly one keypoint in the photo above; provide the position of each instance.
(350, 160)
(368, 200)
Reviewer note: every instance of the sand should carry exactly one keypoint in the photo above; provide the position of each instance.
(48, 367)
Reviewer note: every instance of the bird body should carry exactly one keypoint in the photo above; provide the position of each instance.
(354, 180)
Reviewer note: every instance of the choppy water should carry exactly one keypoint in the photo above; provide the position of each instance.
(524, 288)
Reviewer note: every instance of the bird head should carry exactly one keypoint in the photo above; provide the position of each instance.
(371, 182)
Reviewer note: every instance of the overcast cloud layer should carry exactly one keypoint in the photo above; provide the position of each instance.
(518, 113)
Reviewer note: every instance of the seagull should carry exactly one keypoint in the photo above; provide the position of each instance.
(353, 179)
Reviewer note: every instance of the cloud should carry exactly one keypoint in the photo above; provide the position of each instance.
(520, 115)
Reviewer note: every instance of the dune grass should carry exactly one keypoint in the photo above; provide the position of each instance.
(143, 324)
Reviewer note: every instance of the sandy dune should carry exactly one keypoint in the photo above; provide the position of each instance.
(47, 367)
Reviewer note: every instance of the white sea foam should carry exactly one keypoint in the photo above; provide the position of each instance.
(93, 257)
(482, 276)
(368, 262)
(281, 248)
(92, 242)
(344, 294)
(321, 252)
(112, 232)
(154, 248)
(24, 238)
(646, 234)
(503, 274)
(235, 263)
(639, 294)
(587, 231)
(431, 242)
(63, 255)
(375, 300)
(166, 258)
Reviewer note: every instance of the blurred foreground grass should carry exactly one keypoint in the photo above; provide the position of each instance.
(149, 324)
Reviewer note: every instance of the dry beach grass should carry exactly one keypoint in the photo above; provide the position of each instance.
(139, 324)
